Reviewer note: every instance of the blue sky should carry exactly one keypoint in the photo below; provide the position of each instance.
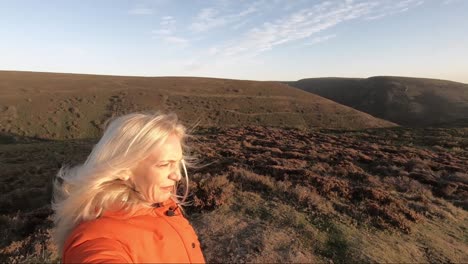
(256, 40)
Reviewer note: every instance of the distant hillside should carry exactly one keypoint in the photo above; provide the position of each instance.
(55, 105)
(405, 101)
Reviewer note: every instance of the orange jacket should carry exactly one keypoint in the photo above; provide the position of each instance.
(148, 235)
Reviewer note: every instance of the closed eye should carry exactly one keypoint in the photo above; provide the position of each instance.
(166, 163)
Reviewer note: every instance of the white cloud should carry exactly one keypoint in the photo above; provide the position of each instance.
(299, 25)
(311, 24)
(240, 24)
(141, 11)
(387, 8)
(207, 19)
(210, 18)
(307, 22)
(320, 39)
(213, 51)
(166, 32)
(167, 21)
(162, 32)
(447, 2)
(176, 40)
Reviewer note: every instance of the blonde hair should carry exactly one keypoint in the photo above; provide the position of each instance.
(83, 192)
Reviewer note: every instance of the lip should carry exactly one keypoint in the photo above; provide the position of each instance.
(167, 188)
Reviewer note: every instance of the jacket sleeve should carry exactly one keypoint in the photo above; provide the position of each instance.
(99, 250)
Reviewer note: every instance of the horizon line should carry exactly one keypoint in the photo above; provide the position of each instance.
(225, 78)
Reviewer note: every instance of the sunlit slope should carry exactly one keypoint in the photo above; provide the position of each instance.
(405, 101)
(55, 105)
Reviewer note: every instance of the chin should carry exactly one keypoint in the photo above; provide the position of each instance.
(161, 198)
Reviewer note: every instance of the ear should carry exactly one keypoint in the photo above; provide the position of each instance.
(126, 178)
(124, 175)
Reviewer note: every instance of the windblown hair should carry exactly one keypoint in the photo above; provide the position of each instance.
(103, 181)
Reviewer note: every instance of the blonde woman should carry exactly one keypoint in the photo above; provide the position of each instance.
(121, 204)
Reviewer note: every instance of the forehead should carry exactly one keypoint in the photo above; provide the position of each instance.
(171, 149)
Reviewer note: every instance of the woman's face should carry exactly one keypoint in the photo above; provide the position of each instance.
(155, 176)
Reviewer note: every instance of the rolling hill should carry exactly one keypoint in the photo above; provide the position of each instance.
(268, 186)
(59, 106)
(414, 102)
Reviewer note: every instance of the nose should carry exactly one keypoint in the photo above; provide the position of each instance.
(175, 175)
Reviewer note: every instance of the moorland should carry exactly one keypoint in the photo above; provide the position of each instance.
(285, 175)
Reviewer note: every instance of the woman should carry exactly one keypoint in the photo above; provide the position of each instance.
(121, 204)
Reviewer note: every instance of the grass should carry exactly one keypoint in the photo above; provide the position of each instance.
(71, 106)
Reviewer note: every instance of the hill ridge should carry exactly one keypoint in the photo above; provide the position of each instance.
(77, 106)
(407, 101)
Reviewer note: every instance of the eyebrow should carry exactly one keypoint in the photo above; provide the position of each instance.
(169, 160)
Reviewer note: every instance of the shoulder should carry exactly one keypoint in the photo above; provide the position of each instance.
(96, 241)
(97, 228)
(102, 250)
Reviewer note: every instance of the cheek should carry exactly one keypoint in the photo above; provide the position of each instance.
(154, 176)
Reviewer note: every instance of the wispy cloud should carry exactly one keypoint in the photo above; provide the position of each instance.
(320, 39)
(210, 18)
(299, 25)
(140, 11)
(162, 32)
(166, 26)
(306, 22)
(298, 21)
(166, 32)
(447, 2)
(387, 8)
(176, 40)
(167, 21)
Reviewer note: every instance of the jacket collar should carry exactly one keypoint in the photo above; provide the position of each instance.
(140, 210)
